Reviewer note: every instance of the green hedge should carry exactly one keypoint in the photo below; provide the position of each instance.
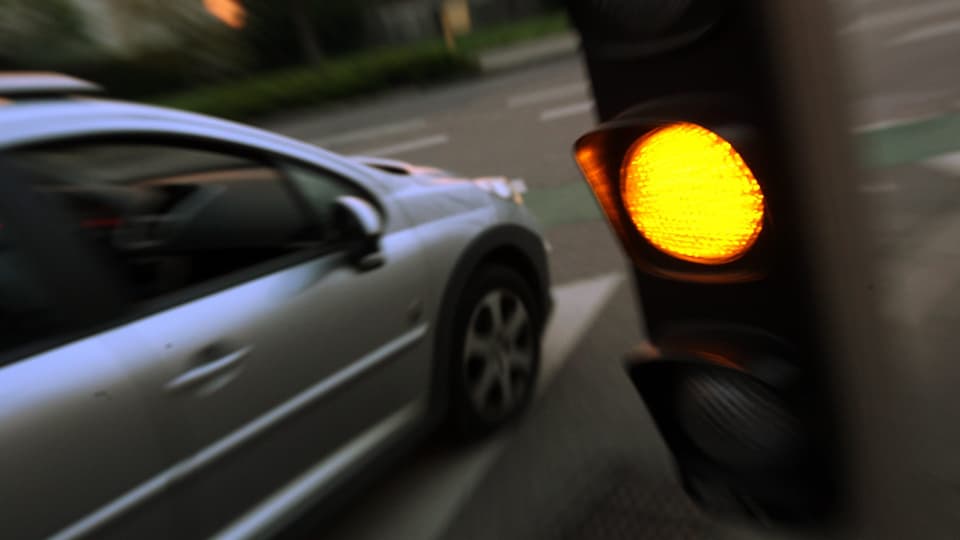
(354, 75)
(333, 80)
(134, 78)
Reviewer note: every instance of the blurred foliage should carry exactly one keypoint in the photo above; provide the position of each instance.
(158, 30)
(140, 48)
(41, 33)
(289, 53)
(332, 80)
(153, 71)
(357, 74)
(292, 32)
(514, 32)
(137, 48)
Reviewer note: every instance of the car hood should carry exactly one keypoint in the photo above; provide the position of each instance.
(419, 175)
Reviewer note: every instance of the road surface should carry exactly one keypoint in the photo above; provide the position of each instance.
(586, 461)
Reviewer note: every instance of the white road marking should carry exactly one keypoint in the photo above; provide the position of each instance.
(573, 109)
(406, 146)
(873, 189)
(928, 32)
(422, 499)
(926, 276)
(539, 96)
(947, 163)
(373, 132)
(577, 305)
(906, 14)
(896, 122)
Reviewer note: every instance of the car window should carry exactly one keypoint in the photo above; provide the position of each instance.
(321, 189)
(170, 216)
(128, 163)
(28, 313)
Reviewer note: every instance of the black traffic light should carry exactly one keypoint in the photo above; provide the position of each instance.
(701, 164)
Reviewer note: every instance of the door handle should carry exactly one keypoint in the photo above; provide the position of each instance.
(207, 372)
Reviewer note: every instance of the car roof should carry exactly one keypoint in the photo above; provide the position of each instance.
(74, 109)
(43, 83)
(38, 119)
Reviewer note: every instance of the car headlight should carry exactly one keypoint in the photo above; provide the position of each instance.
(505, 188)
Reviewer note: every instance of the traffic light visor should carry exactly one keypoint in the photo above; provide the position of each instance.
(691, 194)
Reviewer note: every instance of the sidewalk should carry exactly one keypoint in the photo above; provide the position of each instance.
(529, 52)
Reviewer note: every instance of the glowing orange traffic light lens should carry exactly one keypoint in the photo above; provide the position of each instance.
(691, 195)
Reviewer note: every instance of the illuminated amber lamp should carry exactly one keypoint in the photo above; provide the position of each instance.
(691, 195)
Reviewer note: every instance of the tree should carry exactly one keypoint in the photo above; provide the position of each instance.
(179, 35)
(290, 32)
(301, 14)
(34, 35)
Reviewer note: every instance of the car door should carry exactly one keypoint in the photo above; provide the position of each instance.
(278, 364)
(80, 449)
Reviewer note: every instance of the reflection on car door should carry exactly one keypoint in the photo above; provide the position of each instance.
(271, 353)
(79, 441)
(312, 372)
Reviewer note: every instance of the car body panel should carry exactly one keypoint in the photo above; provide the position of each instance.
(313, 369)
(77, 440)
(304, 329)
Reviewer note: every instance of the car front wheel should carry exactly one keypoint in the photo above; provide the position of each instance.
(496, 350)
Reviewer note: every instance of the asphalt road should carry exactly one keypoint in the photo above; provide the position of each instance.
(587, 432)
(586, 461)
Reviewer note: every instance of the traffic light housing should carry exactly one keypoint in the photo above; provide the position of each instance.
(697, 167)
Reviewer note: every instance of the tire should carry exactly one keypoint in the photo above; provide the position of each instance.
(495, 351)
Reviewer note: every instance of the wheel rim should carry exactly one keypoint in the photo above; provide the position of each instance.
(498, 353)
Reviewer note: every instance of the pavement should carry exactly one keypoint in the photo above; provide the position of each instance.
(586, 461)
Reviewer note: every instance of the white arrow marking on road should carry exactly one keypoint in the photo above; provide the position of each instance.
(420, 501)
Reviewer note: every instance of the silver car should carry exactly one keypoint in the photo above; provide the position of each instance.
(208, 329)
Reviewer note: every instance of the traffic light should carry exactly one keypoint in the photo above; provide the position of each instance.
(720, 129)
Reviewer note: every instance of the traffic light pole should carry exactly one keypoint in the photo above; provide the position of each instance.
(807, 284)
(881, 431)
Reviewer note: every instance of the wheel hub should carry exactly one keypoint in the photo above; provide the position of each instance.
(498, 353)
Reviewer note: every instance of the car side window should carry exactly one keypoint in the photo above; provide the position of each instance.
(28, 313)
(321, 189)
(171, 216)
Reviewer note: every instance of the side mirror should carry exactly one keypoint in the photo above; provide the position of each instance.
(358, 219)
